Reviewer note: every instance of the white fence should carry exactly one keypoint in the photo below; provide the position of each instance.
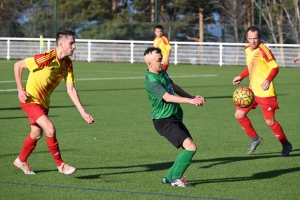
(222, 54)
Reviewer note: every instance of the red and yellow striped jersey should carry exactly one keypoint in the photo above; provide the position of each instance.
(163, 44)
(46, 72)
(260, 62)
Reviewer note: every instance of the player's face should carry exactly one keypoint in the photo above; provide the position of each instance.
(68, 46)
(253, 39)
(156, 62)
(158, 32)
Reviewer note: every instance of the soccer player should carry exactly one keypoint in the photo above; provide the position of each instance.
(261, 68)
(46, 72)
(296, 59)
(167, 114)
(163, 43)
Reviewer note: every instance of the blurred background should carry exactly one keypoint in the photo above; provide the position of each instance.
(183, 20)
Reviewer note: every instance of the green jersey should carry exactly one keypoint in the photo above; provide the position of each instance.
(156, 86)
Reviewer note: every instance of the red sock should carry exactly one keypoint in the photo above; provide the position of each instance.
(28, 146)
(54, 150)
(247, 126)
(278, 132)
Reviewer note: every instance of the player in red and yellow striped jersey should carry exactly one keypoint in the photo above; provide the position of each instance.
(46, 72)
(162, 42)
(261, 68)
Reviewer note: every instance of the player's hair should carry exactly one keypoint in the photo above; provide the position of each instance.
(159, 27)
(149, 50)
(64, 33)
(253, 29)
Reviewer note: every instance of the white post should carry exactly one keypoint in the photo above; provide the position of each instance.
(89, 51)
(48, 44)
(221, 54)
(175, 54)
(8, 49)
(131, 52)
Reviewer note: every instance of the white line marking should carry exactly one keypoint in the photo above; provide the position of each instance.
(116, 78)
(122, 78)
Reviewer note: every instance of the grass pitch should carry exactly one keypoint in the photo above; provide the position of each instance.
(121, 156)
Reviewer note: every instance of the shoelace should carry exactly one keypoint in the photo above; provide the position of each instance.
(184, 181)
(65, 167)
(27, 166)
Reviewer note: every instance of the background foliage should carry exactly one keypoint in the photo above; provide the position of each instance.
(184, 20)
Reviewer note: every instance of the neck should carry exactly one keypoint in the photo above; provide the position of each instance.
(59, 54)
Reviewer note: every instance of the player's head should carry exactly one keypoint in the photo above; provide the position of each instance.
(65, 42)
(253, 36)
(153, 59)
(158, 30)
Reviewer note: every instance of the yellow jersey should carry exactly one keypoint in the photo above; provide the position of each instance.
(46, 72)
(260, 62)
(163, 44)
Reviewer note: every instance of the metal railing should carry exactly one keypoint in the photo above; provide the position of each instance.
(195, 53)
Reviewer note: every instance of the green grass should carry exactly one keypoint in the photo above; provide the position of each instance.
(121, 156)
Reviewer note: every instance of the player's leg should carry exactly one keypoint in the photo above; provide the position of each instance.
(241, 116)
(176, 133)
(47, 125)
(268, 108)
(28, 146)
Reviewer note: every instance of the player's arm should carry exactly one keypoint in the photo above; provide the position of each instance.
(266, 84)
(75, 98)
(183, 97)
(238, 79)
(296, 59)
(18, 68)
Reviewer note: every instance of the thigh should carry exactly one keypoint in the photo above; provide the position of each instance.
(173, 130)
(33, 111)
(268, 105)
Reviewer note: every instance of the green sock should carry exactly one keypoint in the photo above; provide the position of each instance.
(182, 162)
(171, 170)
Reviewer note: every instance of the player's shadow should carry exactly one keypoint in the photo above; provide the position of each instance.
(256, 176)
(216, 161)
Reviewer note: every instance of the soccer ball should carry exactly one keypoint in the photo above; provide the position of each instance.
(243, 97)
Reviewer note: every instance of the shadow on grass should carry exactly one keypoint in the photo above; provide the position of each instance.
(217, 161)
(257, 176)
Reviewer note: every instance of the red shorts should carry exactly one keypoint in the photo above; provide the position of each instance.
(33, 111)
(268, 105)
(165, 67)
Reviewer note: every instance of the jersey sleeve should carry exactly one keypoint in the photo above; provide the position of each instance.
(156, 89)
(31, 64)
(166, 43)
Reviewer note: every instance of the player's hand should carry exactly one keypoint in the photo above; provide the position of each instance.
(198, 100)
(265, 85)
(88, 118)
(294, 61)
(22, 95)
(237, 80)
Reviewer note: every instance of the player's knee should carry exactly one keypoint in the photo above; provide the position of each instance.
(189, 145)
(239, 115)
(50, 132)
(270, 122)
(36, 135)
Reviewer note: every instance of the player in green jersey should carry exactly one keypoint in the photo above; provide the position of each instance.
(167, 114)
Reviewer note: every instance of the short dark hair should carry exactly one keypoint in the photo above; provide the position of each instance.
(64, 33)
(159, 27)
(253, 29)
(151, 49)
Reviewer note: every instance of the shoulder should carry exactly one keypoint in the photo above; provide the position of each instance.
(247, 47)
(165, 40)
(266, 52)
(45, 58)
